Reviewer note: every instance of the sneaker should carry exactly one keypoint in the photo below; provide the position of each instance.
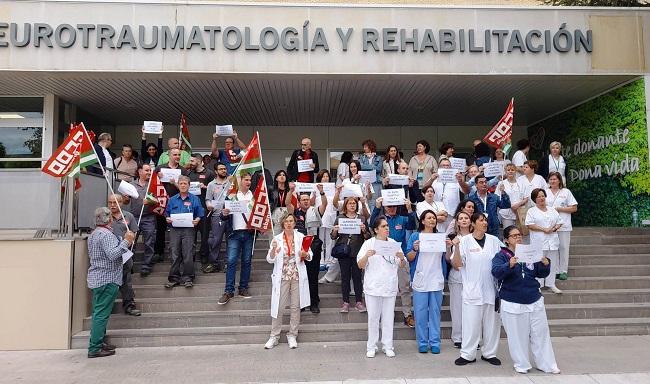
(563, 276)
(273, 341)
(522, 371)
(145, 273)
(409, 321)
(293, 343)
(555, 371)
(171, 284)
(130, 310)
(225, 298)
(188, 284)
(435, 350)
(423, 349)
(461, 361)
(370, 353)
(491, 360)
(210, 268)
(108, 347)
(244, 293)
(314, 309)
(458, 345)
(323, 280)
(389, 352)
(100, 353)
(345, 308)
(360, 307)
(555, 290)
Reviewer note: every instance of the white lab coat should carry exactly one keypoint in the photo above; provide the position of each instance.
(276, 277)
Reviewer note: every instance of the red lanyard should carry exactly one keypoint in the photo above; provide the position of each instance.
(289, 244)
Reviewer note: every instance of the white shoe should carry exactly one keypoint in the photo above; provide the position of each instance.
(273, 341)
(293, 344)
(371, 353)
(555, 290)
(323, 280)
(519, 370)
(389, 352)
(556, 371)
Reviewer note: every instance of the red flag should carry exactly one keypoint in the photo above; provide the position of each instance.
(250, 163)
(185, 135)
(260, 218)
(157, 193)
(501, 133)
(67, 155)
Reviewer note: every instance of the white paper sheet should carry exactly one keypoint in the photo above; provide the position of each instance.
(167, 174)
(195, 188)
(128, 189)
(305, 165)
(398, 179)
(351, 190)
(350, 226)
(304, 187)
(182, 220)
(528, 253)
(446, 175)
(387, 248)
(393, 197)
(224, 130)
(458, 163)
(368, 177)
(433, 242)
(329, 189)
(153, 127)
(126, 256)
(236, 206)
(493, 169)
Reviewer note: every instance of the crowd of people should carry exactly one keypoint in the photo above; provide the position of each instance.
(376, 225)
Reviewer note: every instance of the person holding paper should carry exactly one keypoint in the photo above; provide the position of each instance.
(380, 257)
(308, 220)
(370, 161)
(277, 199)
(104, 277)
(530, 180)
(489, 203)
(198, 173)
(473, 256)
(522, 306)
(304, 153)
(391, 161)
(563, 201)
(214, 200)
(466, 206)
(411, 190)
(461, 228)
(121, 225)
(143, 208)
(511, 187)
(327, 220)
(289, 278)
(182, 238)
(427, 281)
(240, 243)
(422, 165)
(544, 222)
(449, 193)
(173, 163)
(520, 157)
(436, 206)
(347, 262)
(343, 170)
(231, 154)
(150, 153)
(172, 144)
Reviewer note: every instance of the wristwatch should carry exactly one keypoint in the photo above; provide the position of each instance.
(322, 193)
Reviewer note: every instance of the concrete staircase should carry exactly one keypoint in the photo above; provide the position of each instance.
(608, 293)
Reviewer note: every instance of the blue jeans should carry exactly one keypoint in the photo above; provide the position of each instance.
(240, 244)
(426, 309)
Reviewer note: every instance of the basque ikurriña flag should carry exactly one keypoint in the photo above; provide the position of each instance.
(157, 193)
(500, 135)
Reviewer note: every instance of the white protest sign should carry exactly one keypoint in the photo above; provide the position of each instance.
(152, 127)
(368, 177)
(433, 242)
(224, 130)
(128, 189)
(392, 197)
(458, 163)
(447, 175)
(528, 253)
(493, 169)
(350, 226)
(195, 188)
(329, 189)
(236, 206)
(305, 165)
(387, 248)
(398, 179)
(353, 190)
(182, 220)
(126, 256)
(167, 175)
(304, 187)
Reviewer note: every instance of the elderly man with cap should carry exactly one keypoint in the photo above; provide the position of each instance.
(105, 251)
(119, 228)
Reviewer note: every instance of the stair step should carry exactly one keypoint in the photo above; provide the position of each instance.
(608, 270)
(636, 259)
(609, 249)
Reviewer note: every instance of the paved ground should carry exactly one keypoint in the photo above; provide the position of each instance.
(583, 360)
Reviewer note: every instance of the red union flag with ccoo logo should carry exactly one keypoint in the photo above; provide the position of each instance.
(75, 152)
(501, 134)
(157, 194)
(260, 218)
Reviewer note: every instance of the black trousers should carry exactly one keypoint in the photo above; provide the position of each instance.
(161, 230)
(349, 268)
(313, 269)
(204, 228)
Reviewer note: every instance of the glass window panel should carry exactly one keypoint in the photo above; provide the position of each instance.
(21, 142)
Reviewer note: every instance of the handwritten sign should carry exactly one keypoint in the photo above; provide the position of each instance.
(493, 169)
(528, 253)
(447, 175)
(305, 165)
(236, 206)
(182, 220)
(398, 179)
(305, 187)
(433, 242)
(353, 190)
(393, 197)
(224, 130)
(329, 189)
(368, 177)
(350, 226)
(168, 175)
(457, 163)
(152, 127)
(195, 188)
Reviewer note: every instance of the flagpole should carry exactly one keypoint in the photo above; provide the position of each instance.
(110, 187)
(259, 142)
(143, 200)
(234, 174)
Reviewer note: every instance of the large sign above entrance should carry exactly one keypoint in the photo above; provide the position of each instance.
(269, 38)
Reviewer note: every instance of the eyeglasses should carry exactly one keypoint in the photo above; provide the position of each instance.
(516, 235)
(304, 144)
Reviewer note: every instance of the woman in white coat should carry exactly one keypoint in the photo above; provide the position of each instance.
(289, 280)
(462, 228)
(544, 222)
(473, 255)
(380, 286)
(561, 198)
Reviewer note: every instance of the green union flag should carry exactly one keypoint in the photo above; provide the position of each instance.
(250, 163)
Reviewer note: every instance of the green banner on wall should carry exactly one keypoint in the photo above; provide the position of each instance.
(605, 144)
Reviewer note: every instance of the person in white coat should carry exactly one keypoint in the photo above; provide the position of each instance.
(561, 198)
(380, 285)
(462, 228)
(473, 255)
(438, 207)
(543, 222)
(289, 278)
